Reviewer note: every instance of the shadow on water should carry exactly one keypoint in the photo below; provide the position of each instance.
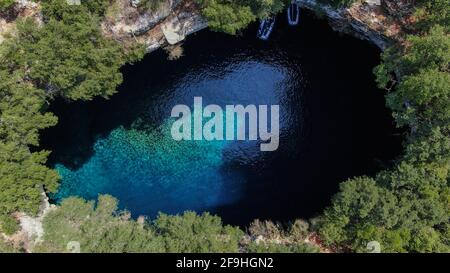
(338, 128)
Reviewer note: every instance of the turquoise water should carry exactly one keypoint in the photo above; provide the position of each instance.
(154, 168)
(333, 125)
(144, 166)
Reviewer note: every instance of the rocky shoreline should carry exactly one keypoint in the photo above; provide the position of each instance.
(178, 18)
(127, 23)
(363, 20)
(169, 25)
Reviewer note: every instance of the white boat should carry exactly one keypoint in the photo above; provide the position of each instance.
(293, 13)
(266, 27)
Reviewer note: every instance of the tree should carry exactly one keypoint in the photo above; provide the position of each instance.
(264, 8)
(426, 240)
(390, 210)
(428, 52)
(422, 97)
(230, 16)
(101, 227)
(68, 56)
(428, 97)
(97, 227)
(23, 174)
(226, 16)
(6, 4)
(431, 13)
(190, 232)
(56, 8)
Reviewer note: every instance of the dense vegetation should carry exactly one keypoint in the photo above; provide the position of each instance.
(67, 56)
(406, 208)
(101, 228)
(22, 173)
(6, 4)
(230, 16)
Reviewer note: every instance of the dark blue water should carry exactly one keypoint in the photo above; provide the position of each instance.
(333, 126)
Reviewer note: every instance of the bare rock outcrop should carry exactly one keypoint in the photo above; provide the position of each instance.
(153, 28)
(364, 20)
(175, 19)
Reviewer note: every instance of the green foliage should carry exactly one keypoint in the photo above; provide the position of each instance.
(192, 233)
(427, 240)
(422, 97)
(57, 8)
(23, 174)
(428, 95)
(8, 224)
(230, 16)
(97, 227)
(96, 6)
(391, 241)
(134, 53)
(226, 16)
(407, 208)
(431, 13)
(397, 205)
(6, 4)
(21, 107)
(265, 8)
(429, 52)
(101, 228)
(404, 201)
(69, 55)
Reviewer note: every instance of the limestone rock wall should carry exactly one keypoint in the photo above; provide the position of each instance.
(176, 19)
(363, 20)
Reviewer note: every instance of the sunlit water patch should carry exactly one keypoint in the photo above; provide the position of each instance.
(148, 167)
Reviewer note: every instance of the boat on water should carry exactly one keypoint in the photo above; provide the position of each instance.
(293, 13)
(266, 27)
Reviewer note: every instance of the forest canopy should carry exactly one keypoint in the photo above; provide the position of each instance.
(67, 56)
(231, 16)
(407, 208)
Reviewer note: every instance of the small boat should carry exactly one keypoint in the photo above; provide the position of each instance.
(293, 13)
(266, 27)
